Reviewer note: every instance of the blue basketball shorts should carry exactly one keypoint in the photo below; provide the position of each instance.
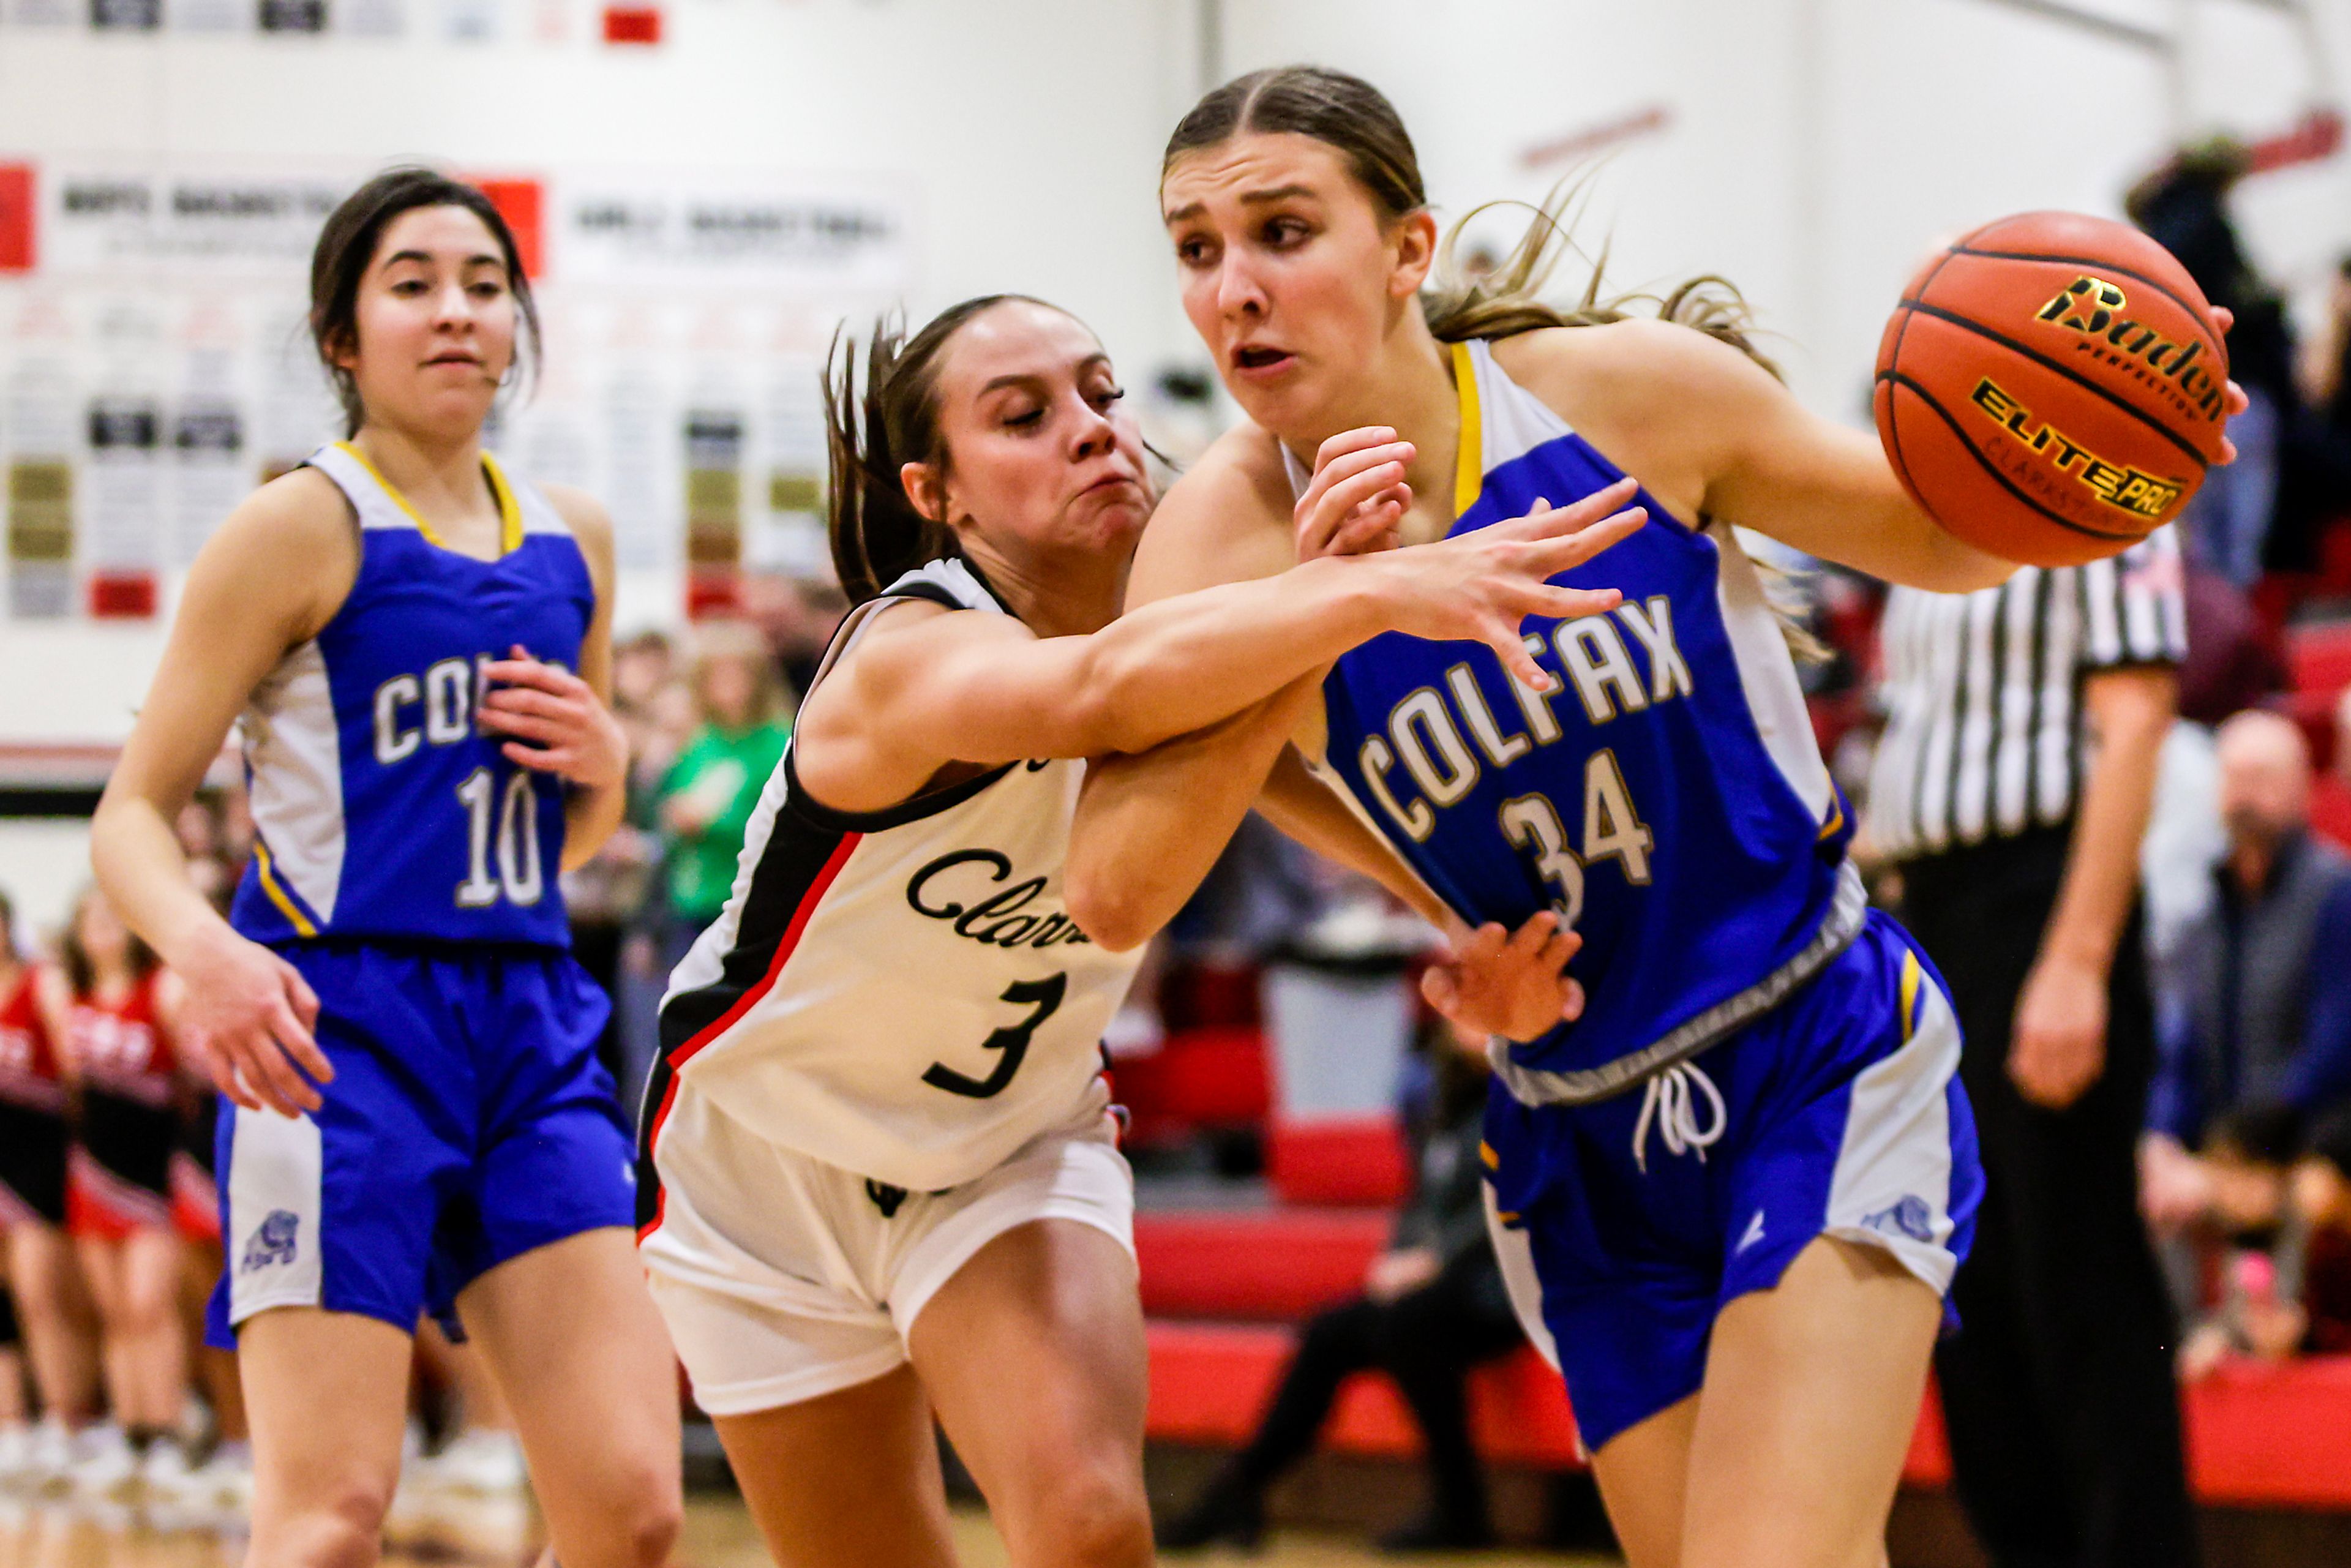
(1626, 1225)
(468, 1122)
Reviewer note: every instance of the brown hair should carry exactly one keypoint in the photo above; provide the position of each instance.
(346, 249)
(872, 432)
(1355, 120)
(81, 971)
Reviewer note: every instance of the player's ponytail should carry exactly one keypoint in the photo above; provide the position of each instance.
(874, 430)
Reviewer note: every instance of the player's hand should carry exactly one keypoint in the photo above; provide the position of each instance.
(558, 723)
(247, 1015)
(2233, 401)
(2059, 1046)
(1510, 984)
(1357, 496)
(1478, 585)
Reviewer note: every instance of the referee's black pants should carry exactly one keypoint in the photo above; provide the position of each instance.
(2058, 1389)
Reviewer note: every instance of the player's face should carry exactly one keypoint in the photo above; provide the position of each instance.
(1290, 275)
(1041, 454)
(435, 319)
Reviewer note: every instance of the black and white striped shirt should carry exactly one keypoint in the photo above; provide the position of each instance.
(1984, 736)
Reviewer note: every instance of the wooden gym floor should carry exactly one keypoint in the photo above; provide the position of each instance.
(36, 1534)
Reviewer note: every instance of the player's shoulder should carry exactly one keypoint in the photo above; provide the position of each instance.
(1644, 360)
(591, 525)
(301, 511)
(1240, 482)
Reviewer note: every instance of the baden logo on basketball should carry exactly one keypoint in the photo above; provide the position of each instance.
(2140, 494)
(2091, 306)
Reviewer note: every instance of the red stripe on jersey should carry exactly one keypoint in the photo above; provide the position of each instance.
(817, 886)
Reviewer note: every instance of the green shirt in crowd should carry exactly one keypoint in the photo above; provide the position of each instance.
(726, 769)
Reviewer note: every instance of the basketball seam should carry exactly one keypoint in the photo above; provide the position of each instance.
(1894, 426)
(2045, 362)
(2210, 341)
(2005, 483)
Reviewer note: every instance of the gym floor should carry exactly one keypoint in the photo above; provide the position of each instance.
(35, 1533)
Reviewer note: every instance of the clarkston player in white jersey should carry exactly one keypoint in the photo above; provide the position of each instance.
(879, 1174)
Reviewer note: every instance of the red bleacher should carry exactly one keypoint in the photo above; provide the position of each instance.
(2258, 1435)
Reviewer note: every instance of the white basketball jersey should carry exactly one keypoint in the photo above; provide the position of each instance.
(899, 993)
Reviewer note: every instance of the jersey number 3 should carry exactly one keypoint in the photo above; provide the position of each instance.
(1042, 996)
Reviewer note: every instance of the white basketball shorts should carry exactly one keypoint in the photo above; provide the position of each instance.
(784, 1279)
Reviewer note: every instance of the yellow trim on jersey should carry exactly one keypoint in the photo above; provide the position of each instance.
(300, 921)
(1911, 976)
(1469, 464)
(1485, 1153)
(509, 509)
(1836, 816)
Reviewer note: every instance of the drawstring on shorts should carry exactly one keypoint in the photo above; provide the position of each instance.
(1670, 1103)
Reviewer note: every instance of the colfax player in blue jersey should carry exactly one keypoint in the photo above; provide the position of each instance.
(417, 645)
(1731, 1196)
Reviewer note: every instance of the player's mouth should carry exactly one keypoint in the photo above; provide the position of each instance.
(1260, 361)
(455, 358)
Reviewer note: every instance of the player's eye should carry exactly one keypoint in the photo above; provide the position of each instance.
(1026, 420)
(1193, 251)
(1283, 233)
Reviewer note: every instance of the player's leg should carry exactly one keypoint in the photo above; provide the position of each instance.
(848, 1476)
(1644, 1476)
(155, 1355)
(1033, 1354)
(327, 1395)
(581, 1357)
(100, 1260)
(1812, 1391)
(58, 1343)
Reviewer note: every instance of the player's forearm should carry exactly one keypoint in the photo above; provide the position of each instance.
(144, 872)
(591, 813)
(1183, 663)
(1150, 827)
(2101, 880)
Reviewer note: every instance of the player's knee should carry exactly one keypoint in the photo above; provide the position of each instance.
(639, 1521)
(341, 1526)
(1092, 1516)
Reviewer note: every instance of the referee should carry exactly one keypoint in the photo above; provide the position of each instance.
(2012, 788)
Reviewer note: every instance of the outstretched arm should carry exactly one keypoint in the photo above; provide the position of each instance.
(926, 686)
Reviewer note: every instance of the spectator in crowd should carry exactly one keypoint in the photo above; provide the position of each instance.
(44, 1287)
(2183, 207)
(121, 1044)
(1432, 1307)
(708, 796)
(2263, 1022)
(2012, 786)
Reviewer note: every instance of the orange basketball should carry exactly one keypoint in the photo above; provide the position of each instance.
(2050, 388)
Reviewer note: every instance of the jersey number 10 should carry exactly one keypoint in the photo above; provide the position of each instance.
(514, 813)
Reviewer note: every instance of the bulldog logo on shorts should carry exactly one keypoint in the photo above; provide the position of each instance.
(1910, 1216)
(274, 1242)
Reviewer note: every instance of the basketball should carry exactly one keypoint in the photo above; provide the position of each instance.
(2051, 388)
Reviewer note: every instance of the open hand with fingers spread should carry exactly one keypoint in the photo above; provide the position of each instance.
(1476, 586)
(1512, 983)
(557, 722)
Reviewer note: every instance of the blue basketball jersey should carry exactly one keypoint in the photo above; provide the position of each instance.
(1668, 797)
(381, 809)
